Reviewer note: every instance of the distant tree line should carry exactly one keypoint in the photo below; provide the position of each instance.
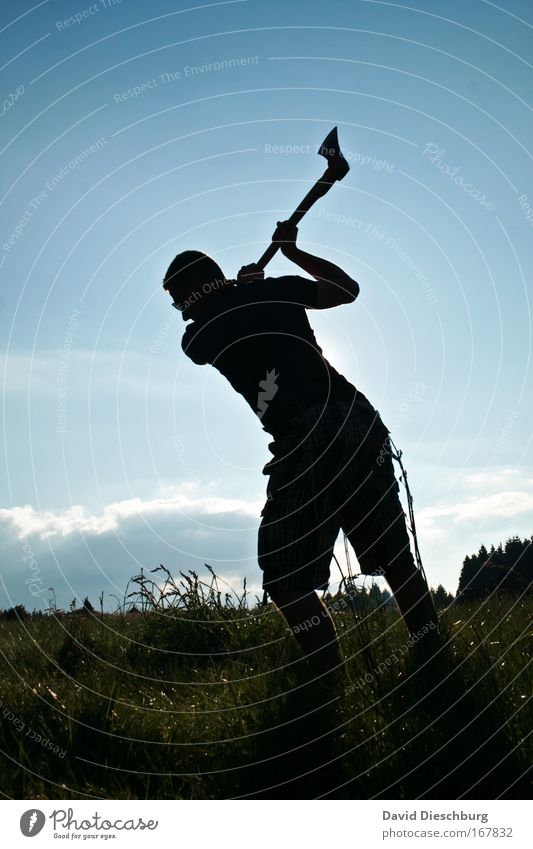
(19, 611)
(508, 568)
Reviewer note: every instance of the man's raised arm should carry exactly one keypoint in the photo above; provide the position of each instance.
(335, 287)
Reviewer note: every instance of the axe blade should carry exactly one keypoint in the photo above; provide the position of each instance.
(330, 149)
(336, 170)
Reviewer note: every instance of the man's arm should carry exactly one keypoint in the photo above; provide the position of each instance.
(335, 287)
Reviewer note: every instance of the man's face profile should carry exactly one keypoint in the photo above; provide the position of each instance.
(186, 299)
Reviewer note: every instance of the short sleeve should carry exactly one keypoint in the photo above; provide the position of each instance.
(290, 289)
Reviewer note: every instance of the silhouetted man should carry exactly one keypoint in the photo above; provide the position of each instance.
(331, 465)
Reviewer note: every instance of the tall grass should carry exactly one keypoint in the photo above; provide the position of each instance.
(204, 695)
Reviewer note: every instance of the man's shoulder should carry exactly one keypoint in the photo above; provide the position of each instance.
(287, 280)
(288, 288)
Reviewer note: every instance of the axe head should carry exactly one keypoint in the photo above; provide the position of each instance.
(337, 165)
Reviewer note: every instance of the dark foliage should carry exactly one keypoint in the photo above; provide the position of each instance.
(508, 568)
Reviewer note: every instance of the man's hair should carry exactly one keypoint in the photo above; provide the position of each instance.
(190, 267)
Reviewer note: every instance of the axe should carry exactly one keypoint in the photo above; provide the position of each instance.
(336, 170)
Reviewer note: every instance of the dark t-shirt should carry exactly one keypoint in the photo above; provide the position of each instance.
(258, 336)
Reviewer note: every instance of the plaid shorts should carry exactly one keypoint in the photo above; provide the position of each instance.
(334, 471)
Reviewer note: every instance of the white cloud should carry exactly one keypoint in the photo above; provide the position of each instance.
(428, 531)
(495, 479)
(497, 506)
(27, 521)
(448, 531)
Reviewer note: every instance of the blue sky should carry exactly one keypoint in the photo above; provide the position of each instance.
(131, 132)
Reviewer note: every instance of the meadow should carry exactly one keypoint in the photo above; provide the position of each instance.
(202, 694)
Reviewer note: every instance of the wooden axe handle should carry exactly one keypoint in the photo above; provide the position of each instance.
(320, 188)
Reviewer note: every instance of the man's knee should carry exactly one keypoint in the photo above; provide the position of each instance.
(285, 598)
(401, 569)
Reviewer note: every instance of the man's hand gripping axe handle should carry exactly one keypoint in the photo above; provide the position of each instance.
(336, 170)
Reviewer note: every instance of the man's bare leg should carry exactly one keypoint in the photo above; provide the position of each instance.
(412, 595)
(310, 735)
(313, 628)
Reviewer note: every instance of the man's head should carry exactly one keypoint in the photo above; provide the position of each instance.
(191, 279)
